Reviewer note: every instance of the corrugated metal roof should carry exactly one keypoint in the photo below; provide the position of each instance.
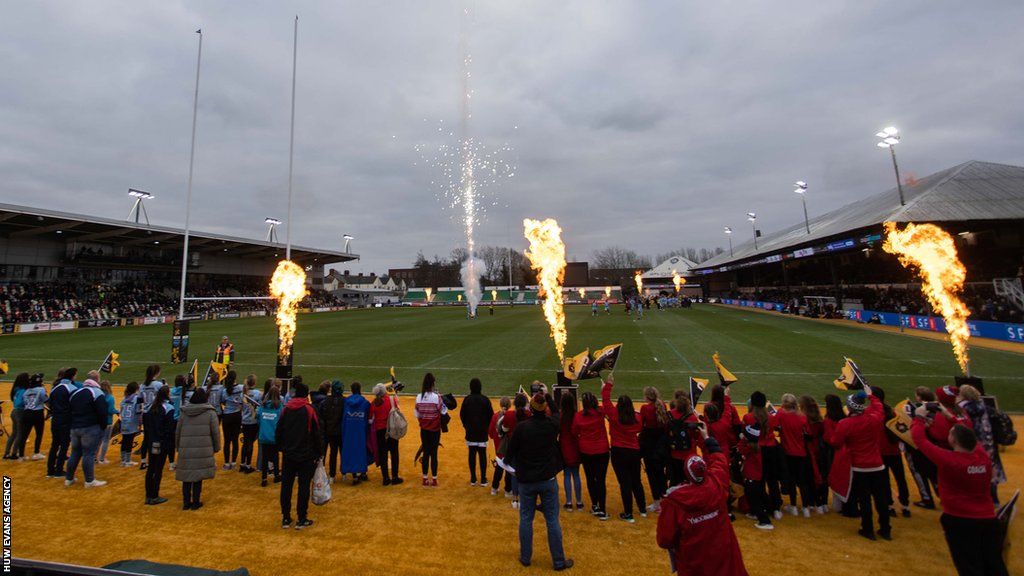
(970, 191)
(664, 270)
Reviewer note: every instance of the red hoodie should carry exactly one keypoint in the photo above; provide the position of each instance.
(752, 469)
(938, 432)
(696, 441)
(569, 444)
(623, 435)
(492, 429)
(694, 525)
(964, 477)
(649, 417)
(590, 431)
(859, 434)
(794, 426)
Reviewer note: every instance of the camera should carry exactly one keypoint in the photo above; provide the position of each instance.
(536, 387)
(692, 425)
(932, 407)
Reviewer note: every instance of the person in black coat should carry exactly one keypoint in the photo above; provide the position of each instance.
(160, 423)
(300, 440)
(475, 415)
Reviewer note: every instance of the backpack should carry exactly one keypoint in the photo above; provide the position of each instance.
(1002, 427)
(397, 426)
(679, 435)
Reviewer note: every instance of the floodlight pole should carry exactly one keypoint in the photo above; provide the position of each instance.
(730, 246)
(896, 167)
(291, 146)
(191, 164)
(136, 208)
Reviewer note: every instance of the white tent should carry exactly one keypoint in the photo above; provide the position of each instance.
(664, 270)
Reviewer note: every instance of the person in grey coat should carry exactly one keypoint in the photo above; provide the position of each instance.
(198, 439)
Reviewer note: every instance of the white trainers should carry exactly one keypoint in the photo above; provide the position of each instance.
(494, 492)
(822, 510)
(69, 482)
(515, 505)
(171, 466)
(807, 512)
(38, 456)
(656, 507)
(473, 484)
(768, 526)
(777, 514)
(793, 510)
(95, 483)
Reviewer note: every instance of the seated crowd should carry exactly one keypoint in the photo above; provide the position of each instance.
(789, 461)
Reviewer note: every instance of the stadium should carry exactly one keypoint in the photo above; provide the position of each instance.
(767, 377)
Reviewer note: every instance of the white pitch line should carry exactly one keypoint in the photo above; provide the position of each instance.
(439, 358)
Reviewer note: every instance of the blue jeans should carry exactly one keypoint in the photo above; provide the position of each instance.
(548, 493)
(84, 443)
(571, 481)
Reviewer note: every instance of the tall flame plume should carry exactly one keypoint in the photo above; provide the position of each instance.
(494, 295)
(547, 257)
(583, 292)
(639, 283)
(607, 291)
(429, 292)
(677, 280)
(288, 285)
(932, 251)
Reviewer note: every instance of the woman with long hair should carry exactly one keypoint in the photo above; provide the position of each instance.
(570, 448)
(682, 421)
(654, 420)
(21, 383)
(159, 423)
(815, 447)
(33, 417)
(330, 412)
(771, 453)
(625, 427)
(494, 432)
(268, 414)
(231, 421)
(793, 430)
(589, 428)
(252, 398)
(429, 410)
(108, 396)
(513, 417)
(151, 384)
(131, 415)
(387, 447)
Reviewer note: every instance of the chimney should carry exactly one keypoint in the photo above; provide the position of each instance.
(347, 273)
(360, 274)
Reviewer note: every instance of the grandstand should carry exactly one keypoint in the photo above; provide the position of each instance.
(504, 296)
(59, 267)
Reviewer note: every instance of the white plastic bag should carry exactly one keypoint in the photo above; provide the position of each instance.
(321, 485)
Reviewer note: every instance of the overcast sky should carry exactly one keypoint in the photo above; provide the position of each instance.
(645, 124)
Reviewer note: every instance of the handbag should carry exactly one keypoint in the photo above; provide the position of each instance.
(397, 425)
(321, 493)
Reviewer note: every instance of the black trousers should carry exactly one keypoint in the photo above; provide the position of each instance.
(868, 487)
(127, 442)
(975, 545)
(654, 461)
(155, 474)
(773, 471)
(894, 465)
(59, 444)
(232, 426)
(387, 447)
(249, 433)
(478, 455)
(595, 468)
(626, 464)
(191, 492)
(757, 500)
(800, 476)
(430, 439)
(31, 420)
(332, 446)
(269, 464)
(290, 472)
(926, 475)
(499, 472)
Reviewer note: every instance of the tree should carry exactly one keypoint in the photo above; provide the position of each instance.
(617, 257)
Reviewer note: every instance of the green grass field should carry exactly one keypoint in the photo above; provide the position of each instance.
(773, 353)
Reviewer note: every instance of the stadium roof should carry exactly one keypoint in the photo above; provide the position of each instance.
(24, 221)
(664, 270)
(970, 191)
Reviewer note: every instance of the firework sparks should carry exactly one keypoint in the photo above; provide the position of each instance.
(639, 280)
(547, 257)
(932, 251)
(288, 285)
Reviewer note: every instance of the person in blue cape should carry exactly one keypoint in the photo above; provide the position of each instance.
(355, 421)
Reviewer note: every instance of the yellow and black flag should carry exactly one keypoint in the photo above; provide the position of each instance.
(4, 368)
(394, 379)
(900, 423)
(194, 372)
(110, 363)
(575, 367)
(697, 385)
(724, 376)
(850, 378)
(604, 359)
(220, 368)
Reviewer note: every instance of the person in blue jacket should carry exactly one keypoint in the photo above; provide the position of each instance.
(161, 427)
(355, 420)
(231, 419)
(131, 421)
(267, 415)
(33, 418)
(59, 403)
(21, 383)
(108, 396)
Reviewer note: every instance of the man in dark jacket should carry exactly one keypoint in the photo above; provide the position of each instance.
(60, 421)
(533, 447)
(476, 415)
(88, 420)
(299, 438)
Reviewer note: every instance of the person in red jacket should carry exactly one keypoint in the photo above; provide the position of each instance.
(588, 428)
(495, 435)
(892, 456)
(794, 432)
(682, 418)
(694, 525)
(973, 534)
(859, 434)
(772, 462)
(654, 418)
(570, 448)
(625, 453)
(753, 477)
(816, 430)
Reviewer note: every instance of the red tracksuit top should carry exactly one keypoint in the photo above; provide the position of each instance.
(752, 469)
(964, 477)
(623, 435)
(938, 432)
(767, 439)
(694, 525)
(696, 440)
(590, 430)
(859, 434)
(794, 426)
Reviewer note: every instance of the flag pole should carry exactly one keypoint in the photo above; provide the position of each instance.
(291, 145)
(191, 164)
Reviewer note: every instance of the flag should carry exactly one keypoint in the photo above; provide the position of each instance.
(603, 359)
(220, 368)
(575, 367)
(900, 423)
(851, 378)
(194, 372)
(393, 378)
(724, 376)
(4, 368)
(110, 363)
(206, 377)
(697, 385)
(1005, 515)
(522, 391)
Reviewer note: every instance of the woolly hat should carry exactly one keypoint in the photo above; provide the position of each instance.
(696, 469)
(538, 403)
(857, 402)
(758, 399)
(947, 394)
(337, 388)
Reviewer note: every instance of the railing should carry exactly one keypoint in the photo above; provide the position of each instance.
(1010, 288)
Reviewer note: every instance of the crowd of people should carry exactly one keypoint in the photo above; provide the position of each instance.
(62, 301)
(796, 460)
